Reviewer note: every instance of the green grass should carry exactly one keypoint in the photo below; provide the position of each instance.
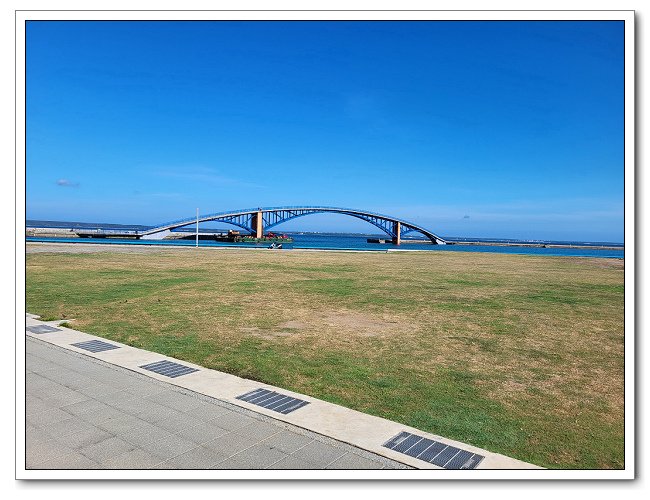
(519, 355)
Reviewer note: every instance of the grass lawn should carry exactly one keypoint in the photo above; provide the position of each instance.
(520, 355)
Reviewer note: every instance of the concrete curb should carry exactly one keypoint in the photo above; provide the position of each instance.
(358, 429)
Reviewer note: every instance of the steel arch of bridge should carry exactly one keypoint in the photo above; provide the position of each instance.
(273, 216)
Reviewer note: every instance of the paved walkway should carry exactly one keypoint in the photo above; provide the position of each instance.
(83, 413)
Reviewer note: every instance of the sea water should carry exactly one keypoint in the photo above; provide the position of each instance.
(339, 241)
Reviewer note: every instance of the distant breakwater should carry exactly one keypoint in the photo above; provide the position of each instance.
(383, 241)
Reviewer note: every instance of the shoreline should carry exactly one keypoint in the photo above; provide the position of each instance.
(509, 244)
(533, 245)
(67, 233)
(153, 245)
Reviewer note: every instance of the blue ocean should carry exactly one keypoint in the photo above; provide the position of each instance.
(344, 241)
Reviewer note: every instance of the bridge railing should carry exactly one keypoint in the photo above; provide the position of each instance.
(321, 208)
(189, 220)
(348, 210)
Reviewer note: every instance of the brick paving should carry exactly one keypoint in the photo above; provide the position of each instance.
(82, 413)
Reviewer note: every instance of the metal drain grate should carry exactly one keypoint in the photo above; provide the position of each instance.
(169, 369)
(434, 452)
(42, 329)
(273, 400)
(95, 346)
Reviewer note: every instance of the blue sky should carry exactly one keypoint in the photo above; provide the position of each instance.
(493, 129)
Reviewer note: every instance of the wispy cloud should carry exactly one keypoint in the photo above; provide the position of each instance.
(204, 175)
(67, 183)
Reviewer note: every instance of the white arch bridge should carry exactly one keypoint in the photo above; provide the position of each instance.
(258, 220)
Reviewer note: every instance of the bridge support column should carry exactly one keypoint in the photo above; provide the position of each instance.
(397, 229)
(258, 224)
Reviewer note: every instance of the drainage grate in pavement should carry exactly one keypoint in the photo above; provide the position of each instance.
(42, 329)
(273, 400)
(95, 346)
(169, 369)
(434, 452)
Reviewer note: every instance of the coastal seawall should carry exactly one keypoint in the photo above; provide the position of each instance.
(382, 241)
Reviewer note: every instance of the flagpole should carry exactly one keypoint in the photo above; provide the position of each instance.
(197, 227)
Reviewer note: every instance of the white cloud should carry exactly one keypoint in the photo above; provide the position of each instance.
(67, 183)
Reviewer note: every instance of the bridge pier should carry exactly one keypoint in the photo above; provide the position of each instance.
(397, 229)
(257, 223)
